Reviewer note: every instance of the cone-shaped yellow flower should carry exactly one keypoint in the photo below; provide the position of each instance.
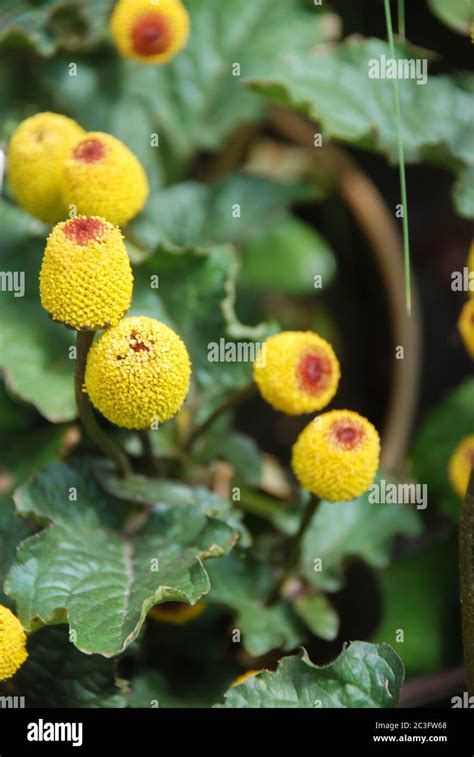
(297, 372)
(35, 163)
(138, 373)
(12, 644)
(177, 613)
(104, 178)
(337, 455)
(86, 279)
(150, 32)
(461, 464)
(466, 327)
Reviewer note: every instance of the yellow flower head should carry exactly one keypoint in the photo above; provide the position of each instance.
(177, 613)
(86, 279)
(337, 455)
(36, 155)
(138, 373)
(460, 465)
(466, 327)
(150, 31)
(297, 372)
(103, 178)
(245, 677)
(12, 644)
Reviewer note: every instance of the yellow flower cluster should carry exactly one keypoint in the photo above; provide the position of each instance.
(36, 157)
(148, 31)
(177, 613)
(86, 279)
(54, 167)
(12, 644)
(138, 373)
(297, 372)
(337, 455)
(461, 464)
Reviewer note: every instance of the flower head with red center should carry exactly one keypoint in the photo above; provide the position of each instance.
(138, 373)
(103, 178)
(297, 372)
(466, 327)
(177, 613)
(150, 31)
(86, 279)
(36, 155)
(461, 464)
(337, 455)
(12, 644)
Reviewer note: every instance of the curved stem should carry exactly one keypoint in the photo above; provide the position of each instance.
(466, 568)
(86, 413)
(229, 404)
(148, 454)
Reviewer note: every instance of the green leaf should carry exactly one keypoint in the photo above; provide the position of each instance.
(238, 449)
(318, 614)
(436, 117)
(234, 210)
(81, 569)
(457, 14)
(364, 675)
(360, 529)
(33, 350)
(463, 193)
(243, 585)
(264, 261)
(440, 434)
(419, 597)
(197, 99)
(56, 675)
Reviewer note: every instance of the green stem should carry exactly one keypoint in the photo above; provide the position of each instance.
(401, 160)
(294, 549)
(148, 454)
(466, 568)
(229, 404)
(86, 413)
(401, 19)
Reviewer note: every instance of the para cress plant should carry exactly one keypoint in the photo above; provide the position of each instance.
(134, 375)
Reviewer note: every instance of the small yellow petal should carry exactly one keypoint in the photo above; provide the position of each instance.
(461, 464)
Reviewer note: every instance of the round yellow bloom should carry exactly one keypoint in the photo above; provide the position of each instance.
(460, 465)
(150, 32)
(466, 327)
(103, 177)
(337, 455)
(12, 644)
(245, 677)
(86, 279)
(36, 155)
(138, 373)
(177, 613)
(297, 372)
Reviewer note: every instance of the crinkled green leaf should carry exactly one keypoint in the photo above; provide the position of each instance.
(420, 598)
(57, 675)
(364, 675)
(318, 615)
(81, 569)
(440, 434)
(360, 529)
(436, 117)
(458, 14)
(244, 585)
(264, 261)
(239, 450)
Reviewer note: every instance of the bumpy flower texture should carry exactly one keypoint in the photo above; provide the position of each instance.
(35, 163)
(138, 373)
(297, 372)
(466, 327)
(177, 613)
(102, 177)
(337, 455)
(12, 644)
(148, 31)
(86, 280)
(460, 465)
